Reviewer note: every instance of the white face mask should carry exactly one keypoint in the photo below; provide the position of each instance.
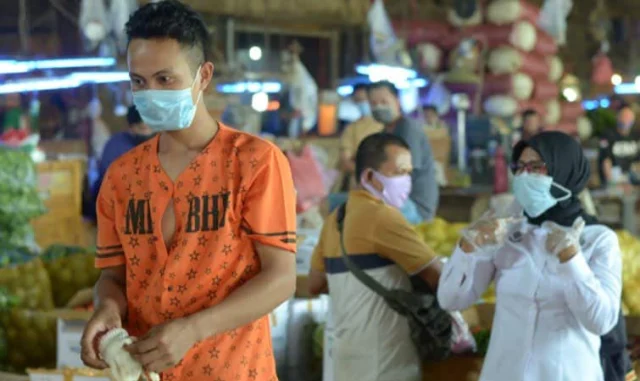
(167, 110)
(533, 193)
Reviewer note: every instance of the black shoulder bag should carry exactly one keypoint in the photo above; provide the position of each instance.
(430, 325)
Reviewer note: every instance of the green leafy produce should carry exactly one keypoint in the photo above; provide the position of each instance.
(482, 341)
(602, 120)
(15, 255)
(30, 283)
(70, 269)
(17, 171)
(20, 235)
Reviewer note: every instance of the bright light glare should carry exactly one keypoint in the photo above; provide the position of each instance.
(255, 53)
(570, 94)
(67, 82)
(13, 66)
(616, 79)
(251, 87)
(260, 102)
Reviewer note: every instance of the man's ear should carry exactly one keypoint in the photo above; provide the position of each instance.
(206, 74)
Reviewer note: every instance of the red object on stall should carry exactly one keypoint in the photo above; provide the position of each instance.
(500, 176)
(602, 70)
(545, 44)
(416, 32)
(545, 90)
(571, 111)
(307, 179)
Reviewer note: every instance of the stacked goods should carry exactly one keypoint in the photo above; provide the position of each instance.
(20, 198)
(71, 269)
(31, 287)
(630, 247)
(26, 330)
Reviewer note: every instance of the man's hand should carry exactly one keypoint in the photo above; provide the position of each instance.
(164, 346)
(105, 318)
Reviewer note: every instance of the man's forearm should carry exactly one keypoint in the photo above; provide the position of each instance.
(110, 292)
(256, 298)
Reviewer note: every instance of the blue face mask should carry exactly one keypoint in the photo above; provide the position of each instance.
(533, 193)
(365, 108)
(167, 110)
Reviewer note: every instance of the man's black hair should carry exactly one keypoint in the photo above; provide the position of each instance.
(372, 151)
(529, 112)
(174, 20)
(360, 86)
(384, 85)
(430, 107)
(133, 116)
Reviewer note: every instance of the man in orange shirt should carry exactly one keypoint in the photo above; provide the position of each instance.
(196, 227)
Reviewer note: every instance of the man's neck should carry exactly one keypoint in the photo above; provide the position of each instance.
(392, 126)
(203, 129)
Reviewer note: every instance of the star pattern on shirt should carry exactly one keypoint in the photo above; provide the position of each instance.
(196, 269)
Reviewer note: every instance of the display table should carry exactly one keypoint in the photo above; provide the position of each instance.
(627, 198)
(463, 204)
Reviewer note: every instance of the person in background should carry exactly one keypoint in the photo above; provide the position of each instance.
(531, 124)
(557, 270)
(354, 133)
(431, 117)
(121, 143)
(386, 109)
(372, 341)
(620, 149)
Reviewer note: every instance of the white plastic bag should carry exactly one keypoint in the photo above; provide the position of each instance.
(462, 340)
(553, 19)
(94, 21)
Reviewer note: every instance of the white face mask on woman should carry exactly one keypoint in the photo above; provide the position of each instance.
(533, 193)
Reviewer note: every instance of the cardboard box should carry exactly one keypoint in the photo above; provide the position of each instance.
(70, 327)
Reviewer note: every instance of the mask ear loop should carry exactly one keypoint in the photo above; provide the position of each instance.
(194, 83)
(567, 191)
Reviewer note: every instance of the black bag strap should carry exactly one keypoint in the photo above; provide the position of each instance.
(362, 276)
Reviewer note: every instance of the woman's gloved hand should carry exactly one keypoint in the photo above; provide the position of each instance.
(564, 242)
(487, 233)
(122, 365)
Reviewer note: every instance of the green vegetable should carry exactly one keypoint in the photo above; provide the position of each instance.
(482, 341)
(71, 269)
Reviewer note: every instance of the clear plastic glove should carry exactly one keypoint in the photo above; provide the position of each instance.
(563, 241)
(488, 233)
(122, 365)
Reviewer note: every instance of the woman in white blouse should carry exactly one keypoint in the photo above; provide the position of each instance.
(557, 272)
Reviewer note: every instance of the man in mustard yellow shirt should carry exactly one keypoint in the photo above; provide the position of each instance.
(372, 342)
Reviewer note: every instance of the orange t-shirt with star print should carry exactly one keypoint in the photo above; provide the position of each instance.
(237, 191)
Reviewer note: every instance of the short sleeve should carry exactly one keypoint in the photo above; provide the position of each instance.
(395, 239)
(109, 251)
(269, 208)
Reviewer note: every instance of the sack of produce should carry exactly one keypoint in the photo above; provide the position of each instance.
(545, 90)
(31, 337)
(571, 110)
(553, 112)
(502, 12)
(556, 68)
(519, 85)
(70, 271)
(501, 106)
(7, 302)
(545, 44)
(17, 171)
(30, 283)
(429, 57)
(521, 35)
(421, 31)
(508, 60)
